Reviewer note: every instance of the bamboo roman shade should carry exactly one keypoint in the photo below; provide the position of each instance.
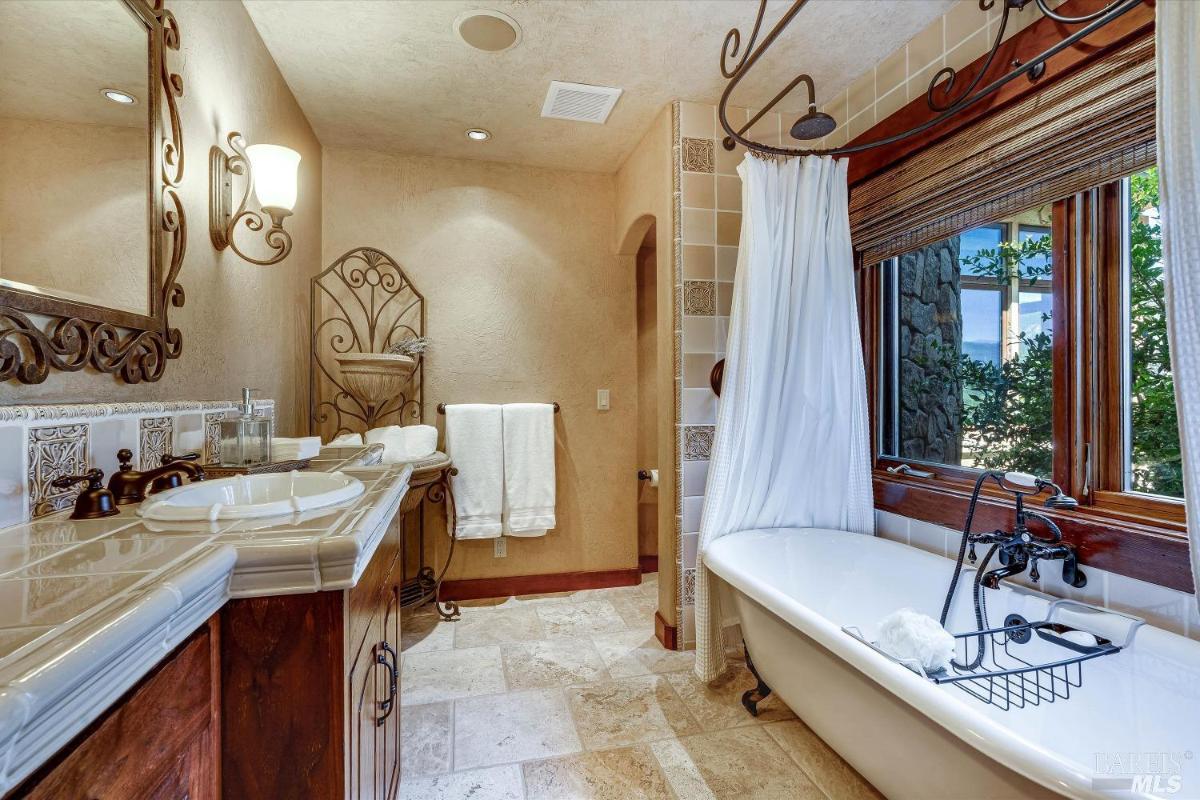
(1089, 128)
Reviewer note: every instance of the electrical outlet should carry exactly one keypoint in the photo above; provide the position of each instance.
(501, 545)
(602, 399)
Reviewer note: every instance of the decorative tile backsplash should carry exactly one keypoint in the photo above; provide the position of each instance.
(700, 298)
(41, 443)
(698, 155)
(155, 441)
(697, 442)
(55, 451)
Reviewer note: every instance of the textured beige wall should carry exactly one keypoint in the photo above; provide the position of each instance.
(524, 302)
(242, 325)
(71, 196)
(645, 194)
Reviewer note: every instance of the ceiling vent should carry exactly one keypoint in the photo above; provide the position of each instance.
(580, 102)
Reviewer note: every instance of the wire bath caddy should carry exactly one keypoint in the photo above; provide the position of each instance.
(1022, 663)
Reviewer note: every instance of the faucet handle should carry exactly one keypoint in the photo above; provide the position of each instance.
(125, 458)
(94, 501)
(170, 458)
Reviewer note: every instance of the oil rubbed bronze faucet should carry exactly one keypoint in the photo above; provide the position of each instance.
(131, 486)
(94, 501)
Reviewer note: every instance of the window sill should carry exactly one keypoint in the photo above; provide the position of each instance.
(1154, 553)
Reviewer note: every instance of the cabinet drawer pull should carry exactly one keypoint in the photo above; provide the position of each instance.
(382, 651)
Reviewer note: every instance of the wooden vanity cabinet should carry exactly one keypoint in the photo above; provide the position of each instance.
(161, 740)
(310, 690)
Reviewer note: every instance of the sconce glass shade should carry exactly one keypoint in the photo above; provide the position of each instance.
(274, 169)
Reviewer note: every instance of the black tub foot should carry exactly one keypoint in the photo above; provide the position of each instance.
(752, 698)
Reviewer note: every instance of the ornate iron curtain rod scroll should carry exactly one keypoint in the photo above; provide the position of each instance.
(814, 124)
(441, 409)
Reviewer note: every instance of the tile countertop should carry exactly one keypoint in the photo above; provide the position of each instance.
(88, 607)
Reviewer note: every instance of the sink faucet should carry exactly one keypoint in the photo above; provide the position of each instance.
(131, 486)
(1019, 548)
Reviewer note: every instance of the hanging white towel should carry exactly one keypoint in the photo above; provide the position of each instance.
(475, 442)
(528, 469)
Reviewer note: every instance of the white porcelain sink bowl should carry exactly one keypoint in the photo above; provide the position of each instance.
(244, 496)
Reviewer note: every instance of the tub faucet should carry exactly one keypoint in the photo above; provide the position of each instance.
(1021, 549)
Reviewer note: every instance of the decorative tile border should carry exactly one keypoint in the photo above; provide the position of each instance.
(212, 436)
(95, 410)
(698, 155)
(155, 440)
(689, 586)
(55, 451)
(700, 298)
(697, 441)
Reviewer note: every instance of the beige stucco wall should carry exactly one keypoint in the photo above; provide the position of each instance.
(643, 191)
(524, 302)
(242, 325)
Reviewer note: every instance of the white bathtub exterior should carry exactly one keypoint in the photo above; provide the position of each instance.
(1137, 715)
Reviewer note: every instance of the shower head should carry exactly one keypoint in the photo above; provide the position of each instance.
(813, 125)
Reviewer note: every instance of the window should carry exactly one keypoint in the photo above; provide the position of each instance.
(971, 341)
(1038, 343)
(1152, 456)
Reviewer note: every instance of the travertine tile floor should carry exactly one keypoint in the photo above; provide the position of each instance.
(571, 697)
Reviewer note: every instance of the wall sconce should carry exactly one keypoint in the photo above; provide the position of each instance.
(270, 172)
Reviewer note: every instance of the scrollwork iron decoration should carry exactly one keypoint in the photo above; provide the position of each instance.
(363, 303)
(39, 332)
(944, 97)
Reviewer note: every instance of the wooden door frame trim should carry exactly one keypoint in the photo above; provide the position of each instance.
(487, 588)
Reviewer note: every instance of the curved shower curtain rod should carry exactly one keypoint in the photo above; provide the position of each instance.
(815, 124)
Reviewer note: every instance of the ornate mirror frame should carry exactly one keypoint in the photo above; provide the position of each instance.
(40, 332)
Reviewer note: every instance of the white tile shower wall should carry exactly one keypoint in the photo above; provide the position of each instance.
(42, 442)
(1169, 609)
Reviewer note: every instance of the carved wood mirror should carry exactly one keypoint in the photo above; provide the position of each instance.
(92, 231)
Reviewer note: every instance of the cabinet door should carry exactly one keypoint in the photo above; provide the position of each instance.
(388, 735)
(367, 682)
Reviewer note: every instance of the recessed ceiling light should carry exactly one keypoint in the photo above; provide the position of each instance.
(488, 30)
(117, 96)
(478, 134)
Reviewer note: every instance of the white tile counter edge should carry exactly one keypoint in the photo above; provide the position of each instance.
(47, 698)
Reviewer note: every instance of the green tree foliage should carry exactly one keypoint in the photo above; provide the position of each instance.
(1006, 419)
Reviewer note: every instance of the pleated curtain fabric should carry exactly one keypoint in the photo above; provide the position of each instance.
(1088, 128)
(1177, 27)
(792, 445)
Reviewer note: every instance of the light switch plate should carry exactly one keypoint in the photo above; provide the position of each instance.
(602, 399)
(501, 547)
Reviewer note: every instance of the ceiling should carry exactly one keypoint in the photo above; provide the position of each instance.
(394, 76)
(56, 57)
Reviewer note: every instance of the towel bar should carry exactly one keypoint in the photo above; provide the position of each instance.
(441, 409)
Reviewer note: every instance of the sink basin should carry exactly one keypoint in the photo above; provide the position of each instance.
(244, 496)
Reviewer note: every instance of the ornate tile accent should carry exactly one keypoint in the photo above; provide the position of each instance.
(689, 586)
(697, 442)
(55, 451)
(212, 437)
(698, 155)
(155, 441)
(700, 298)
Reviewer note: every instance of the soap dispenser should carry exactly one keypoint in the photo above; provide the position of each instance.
(245, 436)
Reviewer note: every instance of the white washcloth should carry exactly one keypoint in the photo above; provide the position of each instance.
(912, 636)
(475, 442)
(402, 444)
(347, 440)
(528, 469)
(284, 449)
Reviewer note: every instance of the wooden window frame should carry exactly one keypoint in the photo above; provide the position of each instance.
(1128, 533)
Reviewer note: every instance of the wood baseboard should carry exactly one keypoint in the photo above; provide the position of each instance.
(648, 564)
(668, 635)
(483, 588)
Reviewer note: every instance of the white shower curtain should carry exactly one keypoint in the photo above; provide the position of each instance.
(791, 447)
(1177, 45)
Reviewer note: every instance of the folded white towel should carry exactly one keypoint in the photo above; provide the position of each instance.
(475, 442)
(528, 469)
(284, 449)
(911, 636)
(402, 444)
(347, 440)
